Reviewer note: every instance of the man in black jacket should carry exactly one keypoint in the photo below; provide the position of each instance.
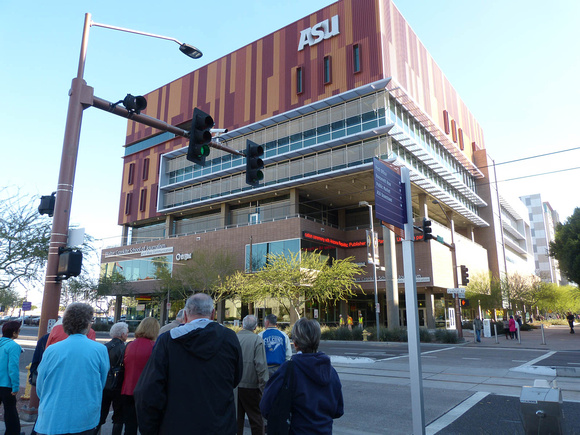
(190, 377)
(112, 393)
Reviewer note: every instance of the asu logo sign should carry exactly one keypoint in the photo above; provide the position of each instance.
(319, 32)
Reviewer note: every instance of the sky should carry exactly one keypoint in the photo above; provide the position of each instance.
(514, 63)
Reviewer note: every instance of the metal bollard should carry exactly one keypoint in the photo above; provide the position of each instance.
(543, 336)
(495, 331)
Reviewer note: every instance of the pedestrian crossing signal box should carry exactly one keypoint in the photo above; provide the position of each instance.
(464, 302)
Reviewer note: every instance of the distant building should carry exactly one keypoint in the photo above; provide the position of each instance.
(543, 220)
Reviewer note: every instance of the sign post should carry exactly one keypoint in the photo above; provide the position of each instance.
(415, 372)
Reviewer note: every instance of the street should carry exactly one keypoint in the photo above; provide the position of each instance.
(467, 388)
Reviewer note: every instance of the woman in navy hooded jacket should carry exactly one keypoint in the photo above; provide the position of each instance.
(9, 375)
(316, 389)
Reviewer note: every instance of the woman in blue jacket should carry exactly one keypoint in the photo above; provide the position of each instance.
(9, 375)
(316, 388)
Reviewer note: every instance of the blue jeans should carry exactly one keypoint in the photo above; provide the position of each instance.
(478, 335)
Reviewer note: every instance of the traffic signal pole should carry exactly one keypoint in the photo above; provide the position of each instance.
(80, 98)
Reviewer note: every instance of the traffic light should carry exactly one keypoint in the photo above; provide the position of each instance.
(427, 231)
(69, 263)
(464, 275)
(47, 204)
(464, 302)
(254, 164)
(199, 137)
(135, 104)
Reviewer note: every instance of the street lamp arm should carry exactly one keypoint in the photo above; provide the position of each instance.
(187, 49)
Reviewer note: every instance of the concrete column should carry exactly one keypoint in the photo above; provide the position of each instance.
(118, 307)
(423, 206)
(391, 285)
(224, 215)
(221, 311)
(341, 218)
(294, 201)
(430, 308)
(470, 234)
(168, 226)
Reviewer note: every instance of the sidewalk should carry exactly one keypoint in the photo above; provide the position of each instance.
(557, 338)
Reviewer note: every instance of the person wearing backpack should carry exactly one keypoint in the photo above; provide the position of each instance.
(112, 391)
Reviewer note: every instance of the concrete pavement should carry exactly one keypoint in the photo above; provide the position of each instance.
(468, 399)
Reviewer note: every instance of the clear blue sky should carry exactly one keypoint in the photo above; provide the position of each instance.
(514, 63)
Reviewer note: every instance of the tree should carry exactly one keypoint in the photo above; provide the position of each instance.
(24, 241)
(486, 289)
(566, 247)
(293, 279)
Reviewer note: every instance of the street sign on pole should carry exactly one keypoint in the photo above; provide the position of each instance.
(390, 199)
(26, 306)
(456, 291)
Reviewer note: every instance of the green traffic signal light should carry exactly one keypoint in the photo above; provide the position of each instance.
(199, 137)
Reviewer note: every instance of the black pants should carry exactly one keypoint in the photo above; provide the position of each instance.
(249, 403)
(114, 398)
(10, 413)
(129, 415)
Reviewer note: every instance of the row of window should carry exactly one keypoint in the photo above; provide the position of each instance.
(341, 120)
(142, 201)
(327, 69)
(144, 172)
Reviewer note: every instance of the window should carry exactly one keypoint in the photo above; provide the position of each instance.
(128, 203)
(131, 174)
(461, 146)
(446, 121)
(356, 58)
(145, 169)
(327, 73)
(143, 199)
(454, 130)
(299, 80)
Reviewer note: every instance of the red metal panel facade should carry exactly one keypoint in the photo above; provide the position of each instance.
(259, 81)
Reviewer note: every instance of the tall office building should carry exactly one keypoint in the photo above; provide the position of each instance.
(324, 96)
(543, 220)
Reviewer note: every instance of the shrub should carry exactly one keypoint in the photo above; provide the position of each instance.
(425, 335)
(101, 326)
(445, 336)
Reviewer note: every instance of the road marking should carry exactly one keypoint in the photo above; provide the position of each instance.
(475, 359)
(574, 363)
(520, 360)
(540, 358)
(406, 355)
(453, 414)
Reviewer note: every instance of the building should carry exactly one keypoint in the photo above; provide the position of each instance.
(324, 96)
(543, 220)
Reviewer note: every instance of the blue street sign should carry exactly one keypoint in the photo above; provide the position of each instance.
(390, 202)
(26, 306)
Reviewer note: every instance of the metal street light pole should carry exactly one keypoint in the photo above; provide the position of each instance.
(454, 264)
(362, 203)
(79, 94)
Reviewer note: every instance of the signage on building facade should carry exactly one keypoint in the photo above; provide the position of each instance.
(390, 203)
(182, 257)
(144, 251)
(319, 32)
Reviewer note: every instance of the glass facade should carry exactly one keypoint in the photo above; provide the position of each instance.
(137, 269)
(260, 252)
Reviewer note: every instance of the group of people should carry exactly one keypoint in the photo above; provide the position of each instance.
(350, 321)
(196, 377)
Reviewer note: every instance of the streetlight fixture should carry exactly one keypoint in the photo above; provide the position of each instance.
(372, 247)
(79, 94)
(454, 264)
